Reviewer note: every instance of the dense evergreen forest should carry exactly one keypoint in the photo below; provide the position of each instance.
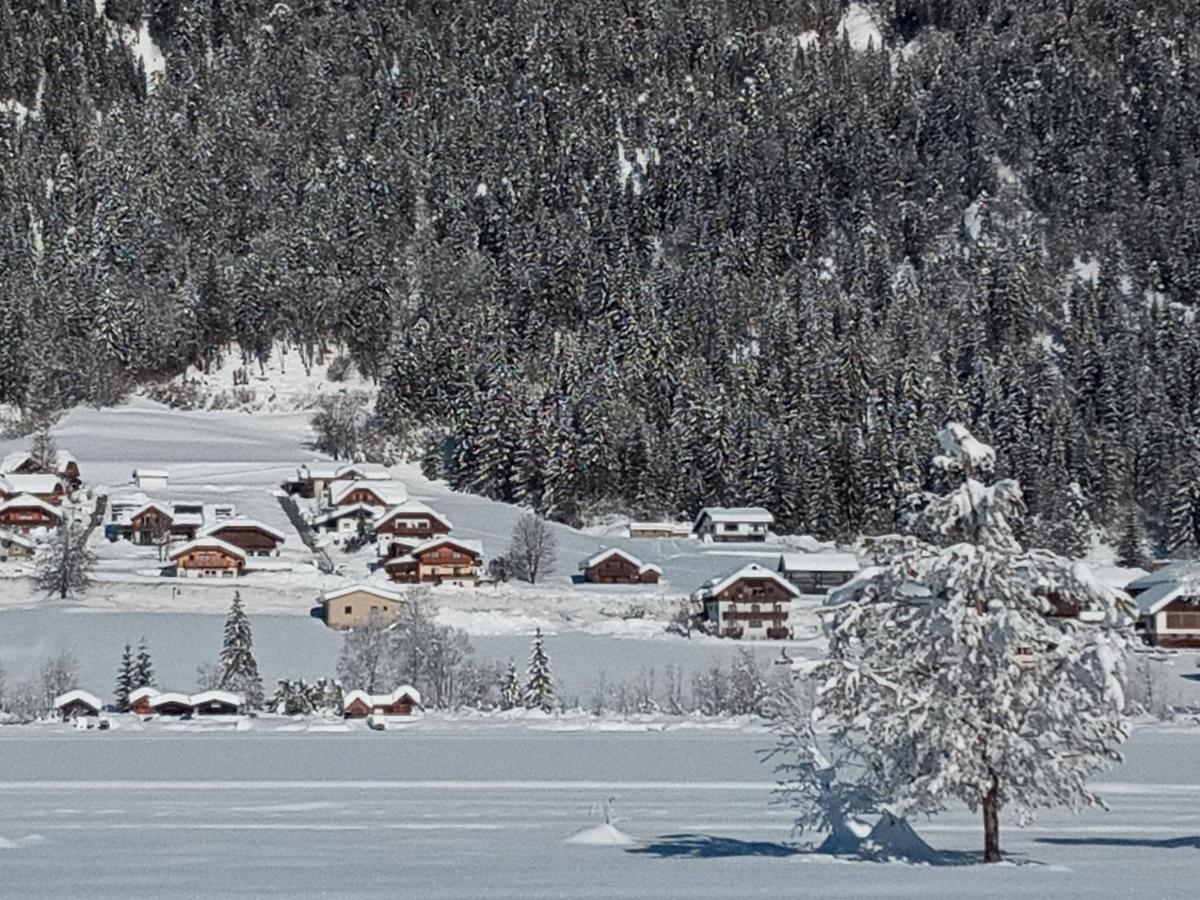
(638, 256)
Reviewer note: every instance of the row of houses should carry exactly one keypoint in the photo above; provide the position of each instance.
(713, 524)
(148, 701)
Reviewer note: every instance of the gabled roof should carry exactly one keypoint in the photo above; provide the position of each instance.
(1168, 574)
(383, 699)
(28, 501)
(1152, 600)
(208, 541)
(474, 547)
(153, 504)
(391, 493)
(605, 554)
(818, 562)
(408, 560)
(11, 537)
(318, 470)
(753, 570)
(70, 696)
(222, 524)
(381, 593)
(146, 691)
(216, 696)
(411, 508)
(753, 514)
(341, 512)
(13, 461)
(364, 472)
(30, 484)
(170, 697)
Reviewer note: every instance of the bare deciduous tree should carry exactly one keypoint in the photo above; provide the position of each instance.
(531, 552)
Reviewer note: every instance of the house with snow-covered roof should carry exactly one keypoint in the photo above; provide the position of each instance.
(21, 462)
(26, 513)
(381, 494)
(660, 530)
(751, 602)
(151, 523)
(151, 479)
(818, 573)
(437, 561)
(353, 519)
(400, 702)
(412, 519)
(1169, 609)
(252, 537)
(208, 557)
(14, 546)
(77, 704)
(350, 607)
(616, 566)
(45, 487)
(733, 523)
(139, 700)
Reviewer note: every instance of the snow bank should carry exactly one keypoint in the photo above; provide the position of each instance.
(858, 26)
(604, 835)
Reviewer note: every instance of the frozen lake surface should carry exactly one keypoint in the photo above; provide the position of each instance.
(482, 810)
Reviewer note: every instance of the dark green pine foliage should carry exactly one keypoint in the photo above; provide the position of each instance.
(126, 675)
(539, 686)
(239, 670)
(143, 667)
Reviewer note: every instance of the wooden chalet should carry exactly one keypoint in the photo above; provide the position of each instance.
(77, 704)
(442, 559)
(217, 703)
(48, 488)
(14, 546)
(151, 524)
(751, 602)
(403, 701)
(252, 537)
(170, 704)
(25, 513)
(380, 494)
(1168, 602)
(350, 607)
(660, 530)
(208, 557)
(615, 566)
(412, 519)
(21, 462)
(733, 523)
(139, 700)
(816, 574)
(313, 479)
(343, 520)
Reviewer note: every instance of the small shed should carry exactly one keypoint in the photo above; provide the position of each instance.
(615, 566)
(77, 704)
(151, 479)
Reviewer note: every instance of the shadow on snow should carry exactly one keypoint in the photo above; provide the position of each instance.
(709, 846)
(1179, 843)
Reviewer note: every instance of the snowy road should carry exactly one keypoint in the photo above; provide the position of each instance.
(482, 811)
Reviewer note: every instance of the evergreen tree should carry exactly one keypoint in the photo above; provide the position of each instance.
(1132, 551)
(238, 668)
(143, 668)
(539, 688)
(126, 673)
(510, 689)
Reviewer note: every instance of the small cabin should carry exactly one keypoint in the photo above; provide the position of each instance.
(412, 519)
(151, 479)
(139, 700)
(15, 546)
(615, 566)
(250, 536)
(217, 703)
(25, 513)
(675, 530)
(344, 520)
(77, 704)
(21, 462)
(448, 559)
(170, 704)
(353, 606)
(151, 524)
(380, 494)
(751, 602)
(208, 557)
(733, 523)
(816, 574)
(403, 701)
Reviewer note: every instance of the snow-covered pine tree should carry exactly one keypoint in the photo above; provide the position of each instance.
(539, 689)
(125, 678)
(510, 688)
(1131, 546)
(239, 670)
(143, 669)
(64, 563)
(43, 451)
(978, 672)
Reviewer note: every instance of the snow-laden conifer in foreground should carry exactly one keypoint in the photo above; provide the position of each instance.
(539, 690)
(239, 669)
(977, 672)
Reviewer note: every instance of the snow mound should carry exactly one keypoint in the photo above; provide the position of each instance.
(893, 838)
(603, 835)
(858, 26)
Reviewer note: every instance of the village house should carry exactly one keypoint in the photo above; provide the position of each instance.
(217, 703)
(313, 479)
(21, 462)
(208, 557)
(741, 523)
(343, 520)
(151, 479)
(15, 547)
(615, 566)
(751, 602)
(442, 559)
(139, 700)
(77, 704)
(660, 530)
(45, 487)
(25, 513)
(412, 519)
(380, 494)
(151, 524)
(1168, 602)
(170, 704)
(252, 537)
(816, 574)
(350, 607)
(204, 703)
(400, 702)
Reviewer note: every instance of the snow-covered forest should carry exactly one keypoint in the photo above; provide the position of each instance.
(644, 255)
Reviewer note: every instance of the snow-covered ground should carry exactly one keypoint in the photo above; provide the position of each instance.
(447, 809)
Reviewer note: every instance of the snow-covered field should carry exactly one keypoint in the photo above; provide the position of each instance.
(449, 808)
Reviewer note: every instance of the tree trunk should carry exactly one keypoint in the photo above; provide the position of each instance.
(991, 823)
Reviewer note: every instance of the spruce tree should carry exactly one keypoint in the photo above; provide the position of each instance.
(1131, 548)
(539, 689)
(510, 688)
(239, 670)
(143, 669)
(125, 679)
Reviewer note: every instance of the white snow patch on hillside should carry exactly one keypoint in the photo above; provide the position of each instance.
(603, 835)
(858, 26)
(808, 40)
(973, 220)
(1088, 272)
(15, 108)
(146, 51)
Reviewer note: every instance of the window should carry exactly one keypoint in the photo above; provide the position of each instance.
(1183, 620)
(349, 610)
(729, 526)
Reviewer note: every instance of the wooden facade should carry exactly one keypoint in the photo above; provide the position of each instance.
(415, 525)
(251, 539)
(362, 494)
(151, 525)
(1175, 625)
(24, 517)
(208, 561)
(446, 560)
(359, 705)
(77, 708)
(752, 602)
(616, 567)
